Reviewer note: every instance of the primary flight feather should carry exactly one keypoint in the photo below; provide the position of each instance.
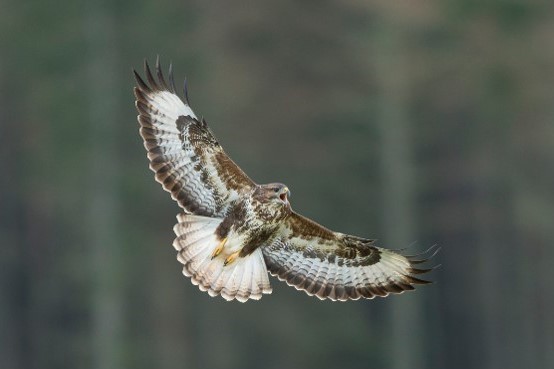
(233, 231)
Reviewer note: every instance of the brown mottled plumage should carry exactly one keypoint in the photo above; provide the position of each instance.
(233, 231)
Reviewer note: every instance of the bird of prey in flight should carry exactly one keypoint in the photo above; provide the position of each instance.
(232, 231)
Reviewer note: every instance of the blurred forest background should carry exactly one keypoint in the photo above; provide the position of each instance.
(416, 123)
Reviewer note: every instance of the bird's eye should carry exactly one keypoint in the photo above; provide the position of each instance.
(276, 189)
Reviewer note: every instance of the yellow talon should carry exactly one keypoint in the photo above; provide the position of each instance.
(231, 258)
(219, 248)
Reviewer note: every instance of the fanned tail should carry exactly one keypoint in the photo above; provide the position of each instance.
(245, 278)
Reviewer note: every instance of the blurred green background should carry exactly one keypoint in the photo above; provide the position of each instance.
(416, 123)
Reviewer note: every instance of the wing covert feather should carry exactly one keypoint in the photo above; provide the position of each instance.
(337, 266)
(187, 159)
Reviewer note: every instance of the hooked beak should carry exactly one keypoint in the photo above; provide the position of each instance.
(285, 193)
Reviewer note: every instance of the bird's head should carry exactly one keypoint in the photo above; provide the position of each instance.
(275, 193)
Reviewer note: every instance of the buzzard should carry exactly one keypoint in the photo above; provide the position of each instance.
(233, 231)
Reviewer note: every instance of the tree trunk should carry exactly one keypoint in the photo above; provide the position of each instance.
(398, 182)
(103, 199)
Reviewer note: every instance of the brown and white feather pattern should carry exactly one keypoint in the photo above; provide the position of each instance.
(245, 279)
(224, 207)
(183, 152)
(336, 266)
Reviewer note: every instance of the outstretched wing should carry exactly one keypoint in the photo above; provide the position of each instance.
(337, 266)
(183, 152)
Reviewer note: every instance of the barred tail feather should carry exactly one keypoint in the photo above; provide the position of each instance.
(245, 278)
